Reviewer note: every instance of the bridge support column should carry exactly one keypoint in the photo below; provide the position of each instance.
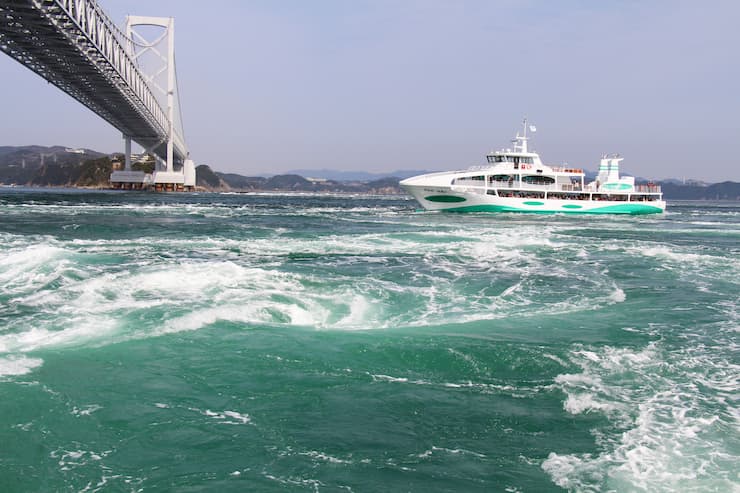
(170, 164)
(127, 152)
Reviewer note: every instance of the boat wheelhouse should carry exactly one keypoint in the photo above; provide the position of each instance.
(516, 180)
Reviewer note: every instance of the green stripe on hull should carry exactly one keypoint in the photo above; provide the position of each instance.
(625, 209)
(444, 198)
(634, 209)
(489, 208)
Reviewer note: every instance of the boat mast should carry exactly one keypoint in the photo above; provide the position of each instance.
(521, 141)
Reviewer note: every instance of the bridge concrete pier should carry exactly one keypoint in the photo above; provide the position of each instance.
(128, 179)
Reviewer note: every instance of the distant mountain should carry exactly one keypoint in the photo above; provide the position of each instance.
(336, 175)
(242, 182)
(51, 166)
(288, 182)
(728, 190)
(215, 181)
(205, 177)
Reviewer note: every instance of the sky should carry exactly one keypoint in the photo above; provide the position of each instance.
(268, 86)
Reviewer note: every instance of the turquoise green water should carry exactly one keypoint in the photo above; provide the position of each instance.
(179, 342)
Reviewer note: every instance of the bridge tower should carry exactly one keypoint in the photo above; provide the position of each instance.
(150, 42)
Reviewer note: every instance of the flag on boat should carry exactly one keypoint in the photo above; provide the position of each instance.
(532, 128)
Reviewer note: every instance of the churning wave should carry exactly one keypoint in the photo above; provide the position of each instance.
(670, 411)
(100, 291)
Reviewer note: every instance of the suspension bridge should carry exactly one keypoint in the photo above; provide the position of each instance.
(128, 77)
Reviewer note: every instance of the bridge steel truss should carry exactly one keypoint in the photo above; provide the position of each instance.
(75, 46)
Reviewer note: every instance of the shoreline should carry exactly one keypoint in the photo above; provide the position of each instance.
(286, 192)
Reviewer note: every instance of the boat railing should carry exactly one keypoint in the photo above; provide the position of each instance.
(479, 186)
(550, 187)
(553, 187)
(649, 188)
(566, 169)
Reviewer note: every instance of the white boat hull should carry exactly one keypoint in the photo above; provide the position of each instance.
(452, 199)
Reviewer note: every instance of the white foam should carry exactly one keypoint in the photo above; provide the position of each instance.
(590, 355)
(70, 459)
(468, 359)
(15, 261)
(514, 391)
(579, 380)
(555, 359)
(86, 410)
(388, 378)
(314, 484)
(667, 435)
(452, 451)
(359, 313)
(458, 451)
(583, 403)
(226, 417)
(23, 270)
(325, 457)
(666, 252)
(618, 296)
(18, 365)
(511, 289)
(688, 264)
(242, 418)
(573, 473)
(77, 330)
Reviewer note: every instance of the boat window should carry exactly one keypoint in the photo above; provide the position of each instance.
(471, 178)
(490, 159)
(528, 194)
(501, 178)
(500, 159)
(538, 180)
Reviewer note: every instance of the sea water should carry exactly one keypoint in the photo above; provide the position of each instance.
(257, 342)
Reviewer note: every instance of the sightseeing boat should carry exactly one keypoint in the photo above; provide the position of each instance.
(516, 180)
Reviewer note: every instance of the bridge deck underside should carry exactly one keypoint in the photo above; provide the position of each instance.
(66, 58)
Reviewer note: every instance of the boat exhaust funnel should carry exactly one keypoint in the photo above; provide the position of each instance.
(603, 169)
(614, 168)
